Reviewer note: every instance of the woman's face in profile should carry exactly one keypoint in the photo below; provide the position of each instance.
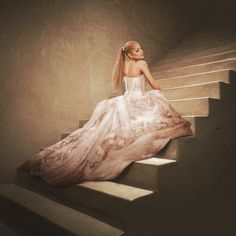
(137, 53)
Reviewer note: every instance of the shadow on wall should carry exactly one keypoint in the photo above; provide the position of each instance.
(206, 14)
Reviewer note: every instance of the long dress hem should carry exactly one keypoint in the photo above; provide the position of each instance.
(121, 130)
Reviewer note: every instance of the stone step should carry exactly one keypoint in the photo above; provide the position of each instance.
(44, 216)
(193, 61)
(173, 57)
(206, 77)
(209, 34)
(121, 191)
(177, 148)
(192, 106)
(105, 197)
(210, 89)
(188, 41)
(150, 169)
(201, 45)
(229, 64)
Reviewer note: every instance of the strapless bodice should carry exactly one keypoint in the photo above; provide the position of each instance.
(134, 85)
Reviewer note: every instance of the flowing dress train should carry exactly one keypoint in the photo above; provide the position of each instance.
(123, 129)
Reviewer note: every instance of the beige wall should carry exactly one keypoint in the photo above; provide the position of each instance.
(205, 14)
(56, 60)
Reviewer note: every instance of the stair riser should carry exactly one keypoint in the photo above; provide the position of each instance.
(229, 64)
(193, 61)
(207, 90)
(191, 107)
(200, 52)
(75, 195)
(177, 148)
(196, 79)
(208, 41)
(193, 48)
(181, 56)
(210, 35)
(170, 151)
(149, 179)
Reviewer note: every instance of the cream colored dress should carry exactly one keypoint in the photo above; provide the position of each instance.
(123, 129)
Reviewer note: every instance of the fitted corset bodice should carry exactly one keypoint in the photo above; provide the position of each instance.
(134, 85)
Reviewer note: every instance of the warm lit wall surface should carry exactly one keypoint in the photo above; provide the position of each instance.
(206, 14)
(56, 60)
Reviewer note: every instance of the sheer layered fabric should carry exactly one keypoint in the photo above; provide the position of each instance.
(121, 130)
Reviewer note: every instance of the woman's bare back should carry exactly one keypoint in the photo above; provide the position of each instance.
(138, 68)
(132, 68)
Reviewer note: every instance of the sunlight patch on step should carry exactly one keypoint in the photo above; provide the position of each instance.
(125, 192)
(156, 161)
(194, 116)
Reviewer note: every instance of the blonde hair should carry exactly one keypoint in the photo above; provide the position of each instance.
(118, 68)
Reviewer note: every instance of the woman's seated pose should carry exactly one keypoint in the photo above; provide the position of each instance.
(133, 126)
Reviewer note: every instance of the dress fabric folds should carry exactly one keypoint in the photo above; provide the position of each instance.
(123, 129)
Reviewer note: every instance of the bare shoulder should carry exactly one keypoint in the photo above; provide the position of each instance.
(142, 63)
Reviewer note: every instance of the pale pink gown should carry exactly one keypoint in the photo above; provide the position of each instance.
(123, 129)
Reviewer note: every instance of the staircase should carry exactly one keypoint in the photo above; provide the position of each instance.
(160, 195)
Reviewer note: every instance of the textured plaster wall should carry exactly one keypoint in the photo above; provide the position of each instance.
(207, 14)
(56, 60)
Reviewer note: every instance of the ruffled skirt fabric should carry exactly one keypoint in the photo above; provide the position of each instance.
(121, 130)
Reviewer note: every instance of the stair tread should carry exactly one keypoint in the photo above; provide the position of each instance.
(230, 65)
(200, 73)
(194, 116)
(194, 85)
(200, 56)
(156, 161)
(195, 74)
(160, 63)
(173, 64)
(198, 65)
(126, 192)
(185, 99)
(72, 220)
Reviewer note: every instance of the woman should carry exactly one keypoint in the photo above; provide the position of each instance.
(123, 129)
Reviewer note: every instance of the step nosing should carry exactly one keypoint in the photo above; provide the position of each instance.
(217, 49)
(200, 73)
(156, 161)
(194, 116)
(184, 99)
(196, 65)
(202, 47)
(197, 57)
(216, 82)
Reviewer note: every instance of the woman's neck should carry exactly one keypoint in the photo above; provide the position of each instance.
(134, 60)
